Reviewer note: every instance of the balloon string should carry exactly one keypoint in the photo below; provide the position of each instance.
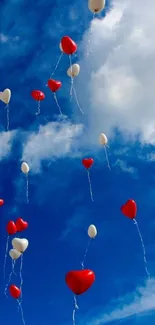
(21, 310)
(88, 44)
(85, 254)
(21, 278)
(38, 108)
(7, 117)
(6, 287)
(72, 81)
(74, 90)
(60, 57)
(6, 253)
(27, 188)
(74, 310)
(107, 159)
(143, 247)
(13, 267)
(90, 187)
(10, 276)
(55, 97)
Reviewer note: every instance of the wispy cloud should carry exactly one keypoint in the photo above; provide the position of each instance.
(76, 221)
(52, 141)
(5, 38)
(123, 166)
(136, 304)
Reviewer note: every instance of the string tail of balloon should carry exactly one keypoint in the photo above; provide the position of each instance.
(85, 254)
(107, 159)
(143, 247)
(21, 310)
(72, 80)
(75, 308)
(59, 108)
(13, 267)
(10, 276)
(90, 186)
(5, 257)
(27, 188)
(7, 117)
(38, 108)
(6, 287)
(88, 49)
(60, 57)
(20, 274)
(75, 94)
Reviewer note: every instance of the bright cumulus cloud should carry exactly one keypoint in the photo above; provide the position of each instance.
(122, 70)
(52, 141)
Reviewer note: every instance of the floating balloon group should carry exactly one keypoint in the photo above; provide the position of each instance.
(19, 246)
(78, 281)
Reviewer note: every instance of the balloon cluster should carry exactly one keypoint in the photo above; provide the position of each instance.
(78, 281)
(19, 245)
(69, 47)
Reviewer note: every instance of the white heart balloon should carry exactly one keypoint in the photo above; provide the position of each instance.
(74, 70)
(5, 96)
(20, 244)
(103, 139)
(14, 254)
(25, 168)
(92, 231)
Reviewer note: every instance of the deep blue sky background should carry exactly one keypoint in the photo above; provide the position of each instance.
(60, 208)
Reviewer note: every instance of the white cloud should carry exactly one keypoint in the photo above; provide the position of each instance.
(151, 157)
(140, 302)
(52, 141)
(5, 38)
(122, 71)
(125, 167)
(6, 143)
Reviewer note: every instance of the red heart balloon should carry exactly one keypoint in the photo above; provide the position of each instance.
(37, 95)
(1, 202)
(54, 85)
(87, 162)
(68, 45)
(11, 228)
(21, 224)
(129, 209)
(80, 281)
(15, 292)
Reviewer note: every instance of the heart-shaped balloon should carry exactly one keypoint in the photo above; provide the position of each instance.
(21, 224)
(87, 162)
(20, 244)
(54, 85)
(68, 45)
(37, 95)
(14, 254)
(80, 281)
(15, 292)
(11, 228)
(5, 96)
(129, 209)
(1, 202)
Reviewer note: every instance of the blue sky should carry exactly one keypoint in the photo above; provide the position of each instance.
(115, 88)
